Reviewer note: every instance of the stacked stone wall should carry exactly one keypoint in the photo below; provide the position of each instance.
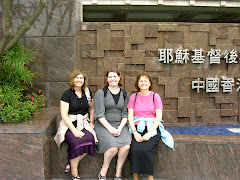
(134, 48)
(62, 43)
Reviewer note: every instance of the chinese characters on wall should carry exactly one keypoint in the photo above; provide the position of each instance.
(211, 85)
(182, 56)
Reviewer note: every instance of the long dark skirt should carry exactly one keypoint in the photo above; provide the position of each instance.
(142, 154)
(79, 146)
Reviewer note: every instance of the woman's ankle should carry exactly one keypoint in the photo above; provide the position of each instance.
(74, 173)
(150, 177)
(103, 171)
(135, 176)
(118, 173)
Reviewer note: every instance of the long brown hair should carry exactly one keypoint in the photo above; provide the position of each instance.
(120, 83)
(138, 78)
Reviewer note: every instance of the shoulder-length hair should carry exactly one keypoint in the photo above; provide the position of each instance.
(120, 83)
(75, 73)
(145, 75)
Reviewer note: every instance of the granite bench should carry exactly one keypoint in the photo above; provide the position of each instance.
(28, 151)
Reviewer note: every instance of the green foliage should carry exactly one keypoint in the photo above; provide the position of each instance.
(14, 78)
(13, 67)
(24, 109)
(10, 95)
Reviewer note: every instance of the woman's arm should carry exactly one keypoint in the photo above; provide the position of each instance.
(64, 108)
(137, 136)
(108, 126)
(156, 123)
(122, 124)
(124, 113)
(92, 114)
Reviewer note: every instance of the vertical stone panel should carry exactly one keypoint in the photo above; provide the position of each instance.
(170, 116)
(127, 47)
(153, 64)
(101, 67)
(137, 34)
(138, 57)
(103, 39)
(1, 25)
(88, 37)
(150, 44)
(184, 107)
(173, 37)
(211, 116)
(55, 92)
(171, 90)
(85, 50)
(89, 67)
(151, 30)
(117, 43)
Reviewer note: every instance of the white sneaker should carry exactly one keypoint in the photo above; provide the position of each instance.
(101, 177)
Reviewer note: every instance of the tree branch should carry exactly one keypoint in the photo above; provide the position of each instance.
(7, 29)
(27, 25)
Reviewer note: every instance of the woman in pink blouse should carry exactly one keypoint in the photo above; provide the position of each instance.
(144, 116)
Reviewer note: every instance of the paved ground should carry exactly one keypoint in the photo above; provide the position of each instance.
(141, 178)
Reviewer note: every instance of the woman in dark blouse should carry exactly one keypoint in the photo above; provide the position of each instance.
(76, 127)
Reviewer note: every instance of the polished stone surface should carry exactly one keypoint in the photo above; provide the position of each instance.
(195, 157)
(199, 157)
(25, 147)
(29, 148)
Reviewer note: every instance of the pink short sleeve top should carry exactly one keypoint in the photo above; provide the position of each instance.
(145, 106)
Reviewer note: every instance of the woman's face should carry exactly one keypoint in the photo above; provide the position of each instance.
(144, 83)
(113, 79)
(78, 80)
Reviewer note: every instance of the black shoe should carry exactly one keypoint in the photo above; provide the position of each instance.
(67, 169)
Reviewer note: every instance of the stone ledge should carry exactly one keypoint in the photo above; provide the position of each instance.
(39, 123)
(29, 148)
(206, 139)
(25, 147)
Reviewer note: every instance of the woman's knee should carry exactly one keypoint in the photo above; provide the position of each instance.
(113, 150)
(125, 148)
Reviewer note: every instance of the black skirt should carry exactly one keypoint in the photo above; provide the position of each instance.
(142, 154)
